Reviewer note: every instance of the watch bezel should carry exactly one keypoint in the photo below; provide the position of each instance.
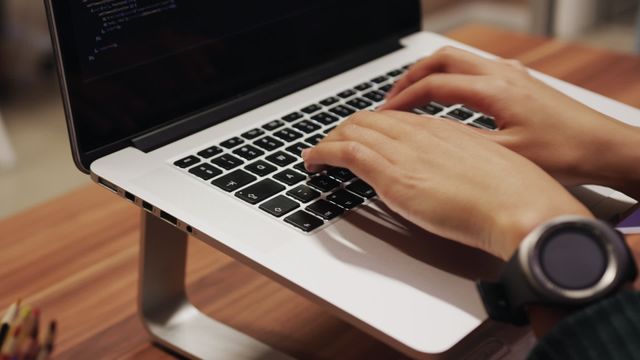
(529, 257)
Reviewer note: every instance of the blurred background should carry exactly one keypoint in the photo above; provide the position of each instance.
(35, 160)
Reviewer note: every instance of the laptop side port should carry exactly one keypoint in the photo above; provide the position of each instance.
(130, 197)
(109, 186)
(169, 218)
(147, 206)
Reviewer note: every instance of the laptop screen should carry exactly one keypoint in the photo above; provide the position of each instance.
(134, 65)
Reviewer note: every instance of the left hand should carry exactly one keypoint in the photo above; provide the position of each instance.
(572, 142)
(446, 178)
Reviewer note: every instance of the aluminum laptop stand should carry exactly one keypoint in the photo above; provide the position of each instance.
(176, 324)
(166, 312)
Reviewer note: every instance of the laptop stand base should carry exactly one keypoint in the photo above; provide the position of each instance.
(168, 316)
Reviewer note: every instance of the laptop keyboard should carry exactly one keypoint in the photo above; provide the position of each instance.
(263, 166)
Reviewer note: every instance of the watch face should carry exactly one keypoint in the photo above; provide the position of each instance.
(573, 258)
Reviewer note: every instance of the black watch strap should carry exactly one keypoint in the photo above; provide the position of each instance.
(497, 300)
(506, 299)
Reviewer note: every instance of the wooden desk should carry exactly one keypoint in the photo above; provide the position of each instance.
(76, 257)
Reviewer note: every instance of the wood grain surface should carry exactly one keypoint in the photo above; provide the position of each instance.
(76, 257)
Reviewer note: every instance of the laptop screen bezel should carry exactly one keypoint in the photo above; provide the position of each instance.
(67, 61)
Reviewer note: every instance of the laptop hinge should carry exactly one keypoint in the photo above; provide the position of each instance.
(193, 123)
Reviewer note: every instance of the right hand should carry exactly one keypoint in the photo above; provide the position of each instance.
(569, 140)
(446, 178)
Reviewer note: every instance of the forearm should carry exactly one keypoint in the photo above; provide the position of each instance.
(613, 160)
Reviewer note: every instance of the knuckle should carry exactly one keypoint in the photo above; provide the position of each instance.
(353, 153)
(499, 85)
(358, 118)
(350, 131)
(448, 52)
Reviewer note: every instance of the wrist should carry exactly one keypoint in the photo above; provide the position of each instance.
(611, 160)
(513, 227)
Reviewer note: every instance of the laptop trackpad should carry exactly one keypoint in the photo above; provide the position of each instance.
(382, 223)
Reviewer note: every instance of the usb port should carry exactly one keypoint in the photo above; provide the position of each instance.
(169, 218)
(147, 206)
(108, 185)
(130, 196)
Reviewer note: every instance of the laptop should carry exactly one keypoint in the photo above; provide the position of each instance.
(197, 111)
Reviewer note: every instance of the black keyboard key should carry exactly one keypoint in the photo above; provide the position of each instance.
(486, 122)
(268, 143)
(307, 126)
(395, 73)
(205, 171)
(281, 158)
(231, 143)
(303, 193)
(253, 134)
(385, 89)
(275, 124)
(315, 139)
(304, 221)
(375, 96)
(260, 191)
(329, 130)
(380, 79)
(288, 135)
(186, 162)
(289, 177)
(311, 109)
(359, 103)
(234, 181)
(363, 86)
(341, 174)
(345, 199)
(210, 152)
(296, 149)
(324, 118)
(347, 94)
(227, 161)
(431, 109)
(279, 206)
(300, 167)
(329, 101)
(460, 114)
(361, 188)
(261, 168)
(292, 117)
(248, 152)
(342, 111)
(325, 209)
(323, 183)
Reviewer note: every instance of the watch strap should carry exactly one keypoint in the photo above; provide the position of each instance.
(504, 304)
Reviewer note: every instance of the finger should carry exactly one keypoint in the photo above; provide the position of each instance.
(391, 149)
(445, 60)
(376, 121)
(366, 163)
(515, 64)
(420, 121)
(484, 93)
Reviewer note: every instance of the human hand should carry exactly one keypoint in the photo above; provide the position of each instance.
(569, 140)
(446, 178)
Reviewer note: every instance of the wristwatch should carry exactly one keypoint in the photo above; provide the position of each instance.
(568, 262)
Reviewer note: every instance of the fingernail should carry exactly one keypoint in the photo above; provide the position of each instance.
(305, 152)
(311, 168)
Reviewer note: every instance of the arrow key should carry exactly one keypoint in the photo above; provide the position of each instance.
(304, 221)
(260, 191)
(279, 206)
